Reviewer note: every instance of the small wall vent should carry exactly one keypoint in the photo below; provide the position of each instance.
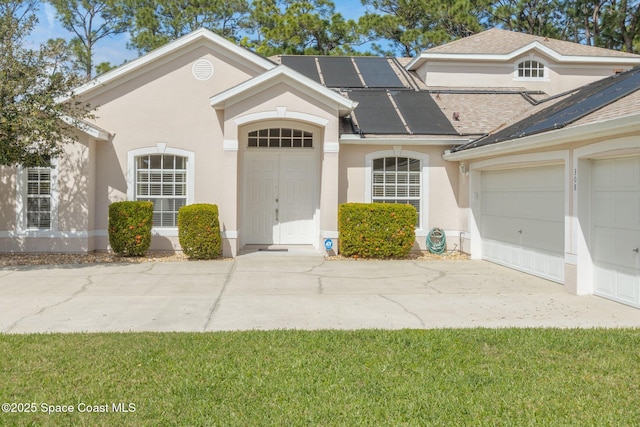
(202, 69)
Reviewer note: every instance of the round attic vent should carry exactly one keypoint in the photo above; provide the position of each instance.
(202, 69)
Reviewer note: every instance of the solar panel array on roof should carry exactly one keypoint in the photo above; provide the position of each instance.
(305, 65)
(377, 72)
(586, 100)
(591, 102)
(339, 72)
(422, 114)
(375, 113)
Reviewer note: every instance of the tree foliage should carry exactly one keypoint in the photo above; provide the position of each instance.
(155, 23)
(90, 21)
(412, 26)
(296, 27)
(389, 27)
(32, 82)
(538, 17)
(612, 24)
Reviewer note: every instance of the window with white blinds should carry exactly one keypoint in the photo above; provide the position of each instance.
(162, 179)
(39, 198)
(397, 180)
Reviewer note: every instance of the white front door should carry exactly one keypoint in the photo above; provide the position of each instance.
(615, 207)
(280, 194)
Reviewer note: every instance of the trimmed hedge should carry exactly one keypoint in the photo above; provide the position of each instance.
(376, 230)
(199, 231)
(130, 227)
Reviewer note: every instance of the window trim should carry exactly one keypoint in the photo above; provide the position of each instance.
(21, 202)
(532, 58)
(161, 149)
(423, 220)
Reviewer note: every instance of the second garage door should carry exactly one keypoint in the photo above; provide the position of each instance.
(616, 229)
(522, 219)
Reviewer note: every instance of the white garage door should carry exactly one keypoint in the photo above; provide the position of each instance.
(522, 223)
(280, 194)
(616, 229)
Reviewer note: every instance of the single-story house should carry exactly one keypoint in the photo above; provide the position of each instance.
(511, 143)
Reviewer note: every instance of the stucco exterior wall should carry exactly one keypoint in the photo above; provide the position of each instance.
(164, 107)
(8, 201)
(71, 194)
(75, 187)
(560, 77)
(444, 207)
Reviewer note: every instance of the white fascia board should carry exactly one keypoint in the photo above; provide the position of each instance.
(88, 128)
(425, 56)
(169, 48)
(276, 75)
(395, 140)
(589, 131)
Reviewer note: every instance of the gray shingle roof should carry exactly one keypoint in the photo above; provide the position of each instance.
(502, 42)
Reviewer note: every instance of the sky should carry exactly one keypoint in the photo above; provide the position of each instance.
(114, 49)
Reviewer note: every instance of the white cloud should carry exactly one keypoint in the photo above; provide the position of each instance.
(50, 15)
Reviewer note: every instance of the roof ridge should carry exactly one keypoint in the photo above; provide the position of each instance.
(504, 42)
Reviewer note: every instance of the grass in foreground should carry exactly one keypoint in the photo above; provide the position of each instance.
(412, 377)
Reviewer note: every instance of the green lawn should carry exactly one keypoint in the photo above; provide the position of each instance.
(413, 377)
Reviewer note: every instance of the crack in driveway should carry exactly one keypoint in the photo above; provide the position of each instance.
(405, 309)
(59, 303)
(216, 303)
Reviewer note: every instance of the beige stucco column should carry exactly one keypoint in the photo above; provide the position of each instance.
(229, 209)
(329, 195)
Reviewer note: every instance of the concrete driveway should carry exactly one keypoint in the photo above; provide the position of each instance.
(291, 291)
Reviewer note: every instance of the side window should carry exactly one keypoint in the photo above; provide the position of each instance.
(162, 179)
(397, 180)
(38, 206)
(531, 69)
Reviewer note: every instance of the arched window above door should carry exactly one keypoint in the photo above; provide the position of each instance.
(280, 138)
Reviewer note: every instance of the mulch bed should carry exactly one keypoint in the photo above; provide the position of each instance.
(420, 256)
(91, 258)
(8, 260)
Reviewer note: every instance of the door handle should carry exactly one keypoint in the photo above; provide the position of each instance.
(636, 250)
(276, 214)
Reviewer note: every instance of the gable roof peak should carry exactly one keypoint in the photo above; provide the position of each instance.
(194, 38)
(503, 45)
(282, 73)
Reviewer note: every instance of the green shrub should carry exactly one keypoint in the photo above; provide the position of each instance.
(130, 227)
(199, 231)
(376, 230)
